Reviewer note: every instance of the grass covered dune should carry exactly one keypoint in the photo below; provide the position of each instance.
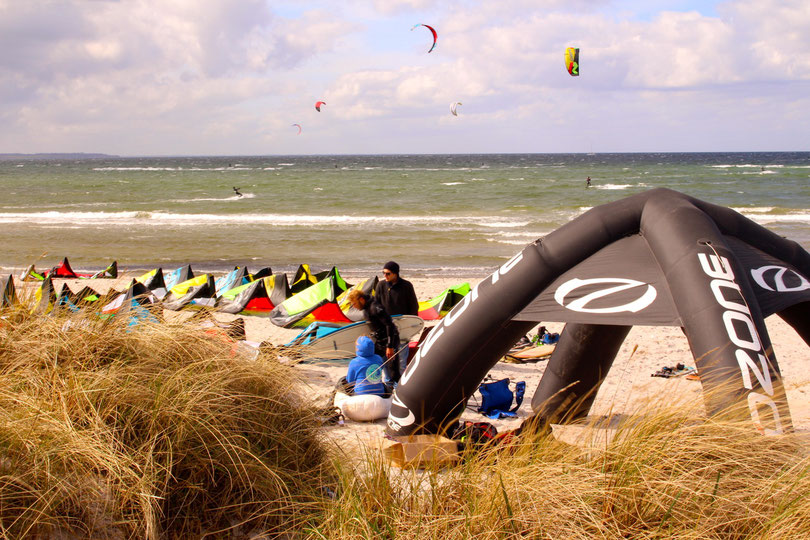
(147, 432)
(161, 431)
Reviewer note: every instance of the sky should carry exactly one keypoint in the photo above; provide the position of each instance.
(231, 77)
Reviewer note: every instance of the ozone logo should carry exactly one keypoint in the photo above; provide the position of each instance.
(619, 285)
(776, 276)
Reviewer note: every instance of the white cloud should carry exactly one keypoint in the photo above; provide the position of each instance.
(189, 77)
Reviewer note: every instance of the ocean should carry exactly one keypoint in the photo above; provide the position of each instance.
(434, 214)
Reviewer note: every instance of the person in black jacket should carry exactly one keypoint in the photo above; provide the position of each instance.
(383, 331)
(396, 294)
(398, 298)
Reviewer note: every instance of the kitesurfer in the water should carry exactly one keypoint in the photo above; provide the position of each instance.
(236, 190)
(588, 182)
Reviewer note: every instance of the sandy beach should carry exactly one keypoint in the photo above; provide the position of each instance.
(628, 386)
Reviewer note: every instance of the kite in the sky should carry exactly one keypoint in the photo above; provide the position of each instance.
(453, 107)
(572, 61)
(318, 105)
(432, 31)
(299, 128)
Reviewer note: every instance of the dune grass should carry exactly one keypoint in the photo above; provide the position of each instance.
(156, 431)
(150, 431)
(668, 473)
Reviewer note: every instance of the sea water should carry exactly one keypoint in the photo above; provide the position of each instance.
(434, 214)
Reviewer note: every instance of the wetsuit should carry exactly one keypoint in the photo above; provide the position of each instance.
(384, 333)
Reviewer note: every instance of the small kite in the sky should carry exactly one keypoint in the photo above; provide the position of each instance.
(572, 61)
(453, 107)
(299, 128)
(318, 105)
(432, 31)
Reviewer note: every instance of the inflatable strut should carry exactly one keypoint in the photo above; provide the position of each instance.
(659, 258)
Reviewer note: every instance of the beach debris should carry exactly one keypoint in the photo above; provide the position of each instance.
(673, 371)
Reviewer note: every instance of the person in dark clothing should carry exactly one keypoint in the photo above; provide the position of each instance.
(383, 331)
(396, 294)
(398, 298)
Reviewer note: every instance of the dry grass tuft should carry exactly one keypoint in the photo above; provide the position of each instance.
(665, 474)
(148, 431)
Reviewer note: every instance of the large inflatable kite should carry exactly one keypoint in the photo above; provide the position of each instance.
(572, 61)
(656, 258)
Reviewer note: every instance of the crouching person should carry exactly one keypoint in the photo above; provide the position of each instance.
(362, 396)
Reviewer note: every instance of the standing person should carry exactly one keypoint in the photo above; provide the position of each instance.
(395, 293)
(383, 331)
(398, 298)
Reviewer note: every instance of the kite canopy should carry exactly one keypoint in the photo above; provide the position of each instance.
(319, 302)
(198, 291)
(656, 258)
(255, 298)
(299, 128)
(8, 295)
(572, 61)
(318, 105)
(78, 300)
(110, 272)
(432, 31)
(184, 273)
(438, 306)
(453, 107)
(154, 282)
(238, 276)
(44, 297)
(136, 295)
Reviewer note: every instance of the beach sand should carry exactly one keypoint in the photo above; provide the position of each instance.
(628, 387)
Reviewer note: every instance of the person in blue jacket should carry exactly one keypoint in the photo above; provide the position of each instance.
(365, 369)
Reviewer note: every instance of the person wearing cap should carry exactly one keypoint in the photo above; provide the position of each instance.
(395, 293)
(398, 298)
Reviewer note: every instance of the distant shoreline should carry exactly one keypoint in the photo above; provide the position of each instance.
(90, 155)
(78, 155)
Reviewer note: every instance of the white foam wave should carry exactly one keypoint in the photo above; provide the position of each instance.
(509, 242)
(172, 169)
(208, 199)
(453, 183)
(133, 218)
(613, 186)
(803, 217)
(505, 224)
(735, 166)
(753, 209)
(530, 235)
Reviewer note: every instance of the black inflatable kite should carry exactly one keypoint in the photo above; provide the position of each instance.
(657, 258)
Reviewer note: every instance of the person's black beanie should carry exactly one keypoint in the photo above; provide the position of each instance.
(392, 266)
